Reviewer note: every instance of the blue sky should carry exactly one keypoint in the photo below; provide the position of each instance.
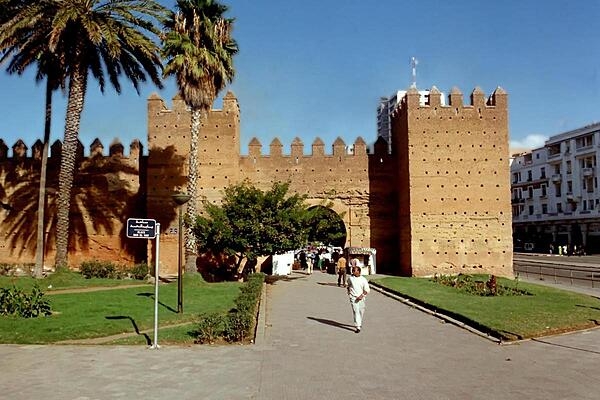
(317, 68)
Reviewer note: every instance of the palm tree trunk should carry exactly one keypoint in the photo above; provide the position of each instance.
(38, 271)
(190, 242)
(77, 86)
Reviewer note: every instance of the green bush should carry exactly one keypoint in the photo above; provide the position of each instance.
(478, 285)
(15, 301)
(241, 320)
(210, 328)
(138, 271)
(24, 269)
(238, 325)
(100, 269)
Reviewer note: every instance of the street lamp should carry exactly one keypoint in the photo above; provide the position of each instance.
(180, 199)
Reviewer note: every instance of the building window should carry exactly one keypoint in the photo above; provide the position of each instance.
(585, 141)
(530, 192)
(529, 176)
(585, 205)
(543, 173)
(559, 207)
(557, 190)
(516, 177)
(587, 162)
(544, 208)
(543, 190)
(569, 167)
(557, 168)
(569, 187)
(530, 210)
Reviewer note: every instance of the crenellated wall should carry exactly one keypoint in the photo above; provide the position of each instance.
(438, 203)
(107, 189)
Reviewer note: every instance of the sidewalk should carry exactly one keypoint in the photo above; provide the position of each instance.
(309, 351)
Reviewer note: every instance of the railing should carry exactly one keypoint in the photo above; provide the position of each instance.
(559, 272)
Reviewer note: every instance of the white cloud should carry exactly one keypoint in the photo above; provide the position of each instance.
(530, 142)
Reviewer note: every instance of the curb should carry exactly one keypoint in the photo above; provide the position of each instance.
(436, 314)
(261, 323)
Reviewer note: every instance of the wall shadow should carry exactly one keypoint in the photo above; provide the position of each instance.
(383, 191)
(107, 190)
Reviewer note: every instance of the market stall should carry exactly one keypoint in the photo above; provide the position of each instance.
(364, 257)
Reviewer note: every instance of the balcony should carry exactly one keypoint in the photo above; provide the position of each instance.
(517, 200)
(556, 178)
(572, 198)
(588, 172)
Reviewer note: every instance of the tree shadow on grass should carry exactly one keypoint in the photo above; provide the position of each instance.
(333, 323)
(135, 327)
(151, 295)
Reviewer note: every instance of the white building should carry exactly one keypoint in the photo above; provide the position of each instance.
(555, 195)
(386, 107)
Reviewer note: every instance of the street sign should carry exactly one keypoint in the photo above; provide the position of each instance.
(140, 228)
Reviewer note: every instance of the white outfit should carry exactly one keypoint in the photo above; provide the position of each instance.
(357, 286)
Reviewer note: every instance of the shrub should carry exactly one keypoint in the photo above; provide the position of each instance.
(137, 271)
(240, 321)
(23, 269)
(210, 328)
(15, 301)
(471, 285)
(238, 325)
(99, 269)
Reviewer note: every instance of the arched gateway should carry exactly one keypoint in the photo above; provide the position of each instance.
(420, 206)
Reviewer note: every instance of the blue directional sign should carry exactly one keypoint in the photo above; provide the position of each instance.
(140, 228)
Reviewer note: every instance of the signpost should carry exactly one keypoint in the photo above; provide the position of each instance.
(140, 228)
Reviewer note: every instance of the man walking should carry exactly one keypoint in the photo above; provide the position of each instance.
(358, 288)
(341, 271)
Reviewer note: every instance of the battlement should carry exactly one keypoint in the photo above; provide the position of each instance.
(157, 106)
(338, 148)
(20, 151)
(498, 99)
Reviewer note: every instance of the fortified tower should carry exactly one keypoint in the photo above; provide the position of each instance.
(453, 184)
(168, 168)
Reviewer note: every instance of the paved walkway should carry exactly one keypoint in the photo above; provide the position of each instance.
(309, 351)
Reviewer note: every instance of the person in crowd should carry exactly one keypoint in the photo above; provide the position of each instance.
(358, 288)
(302, 259)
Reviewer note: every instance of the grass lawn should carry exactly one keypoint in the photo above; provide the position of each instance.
(546, 311)
(105, 313)
(63, 280)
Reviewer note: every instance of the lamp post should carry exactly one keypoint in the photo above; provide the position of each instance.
(180, 199)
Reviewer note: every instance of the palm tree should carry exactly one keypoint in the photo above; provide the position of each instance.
(105, 38)
(199, 51)
(25, 52)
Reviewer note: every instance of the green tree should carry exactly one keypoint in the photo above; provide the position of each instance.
(199, 51)
(105, 39)
(326, 226)
(24, 50)
(251, 223)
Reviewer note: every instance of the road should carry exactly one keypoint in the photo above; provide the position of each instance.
(580, 271)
